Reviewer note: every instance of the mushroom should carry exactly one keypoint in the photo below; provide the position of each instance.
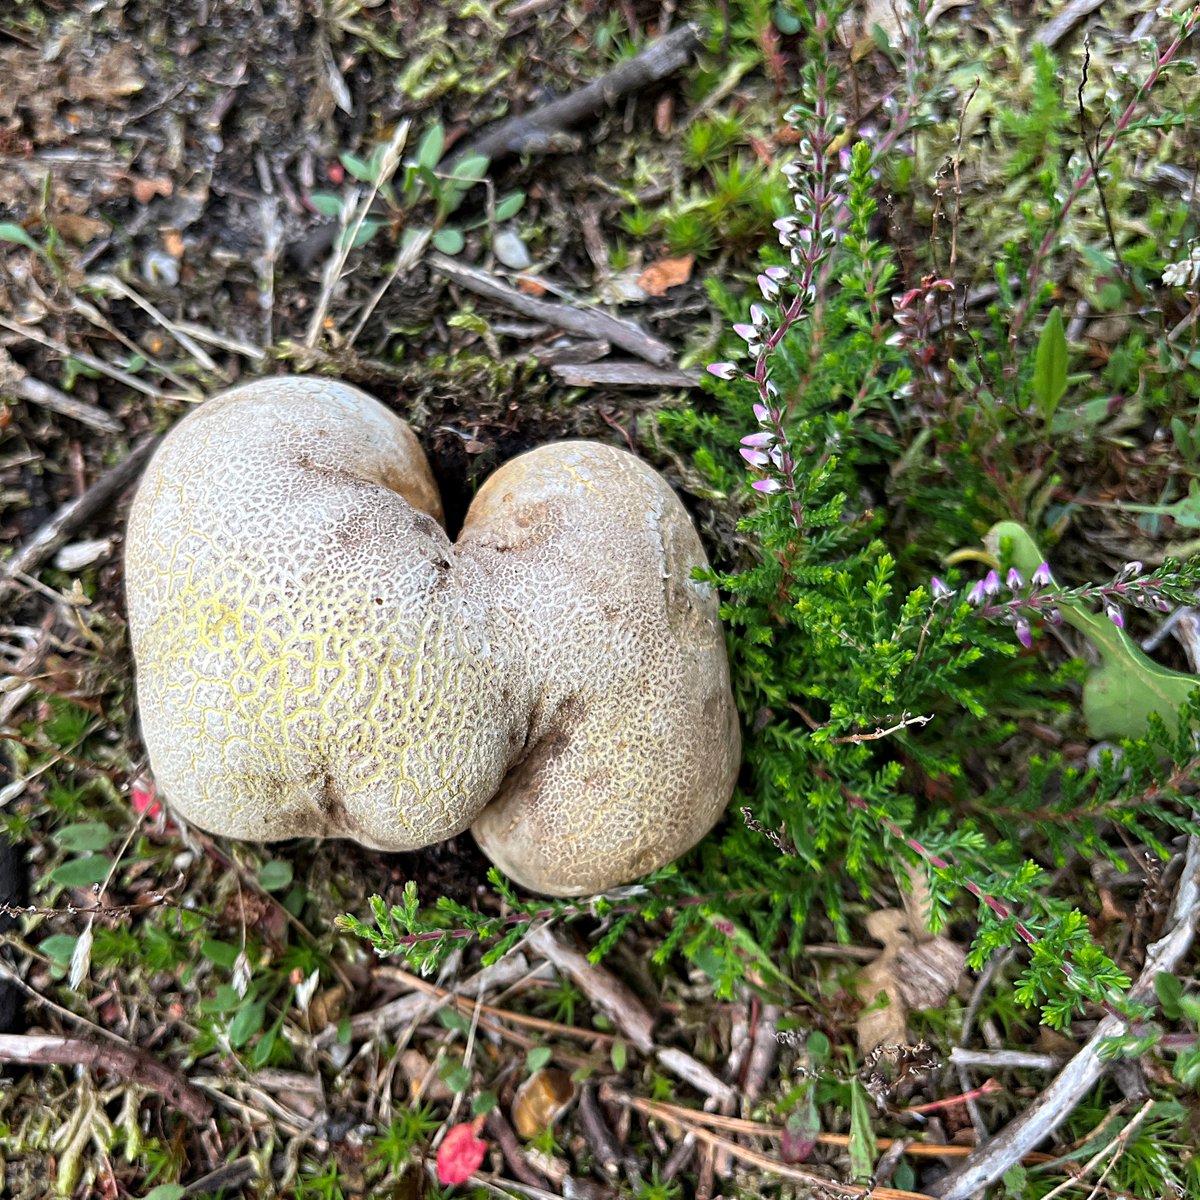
(315, 657)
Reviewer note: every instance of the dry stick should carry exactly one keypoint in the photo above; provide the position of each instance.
(56, 531)
(586, 322)
(416, 1006)
(42, 394)
(1078, 1077)
(626, 1011)
(821, 1183)
(128, 1062)
(1064, 21)
(534, 132)
(622, 374)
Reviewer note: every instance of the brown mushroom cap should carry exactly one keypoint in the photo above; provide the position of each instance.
(315, 658)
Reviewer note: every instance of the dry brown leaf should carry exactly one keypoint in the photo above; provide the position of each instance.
(144, 189)
(927, 973)
(80, 230)
(659, 277)
(882, 1024)
(530, 286)
(540, 1100)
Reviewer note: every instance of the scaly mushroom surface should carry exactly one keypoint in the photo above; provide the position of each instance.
(315, 657)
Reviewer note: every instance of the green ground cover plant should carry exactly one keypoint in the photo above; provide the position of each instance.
(946, 460)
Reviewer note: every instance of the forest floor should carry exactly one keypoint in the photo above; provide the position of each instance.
(171, 181)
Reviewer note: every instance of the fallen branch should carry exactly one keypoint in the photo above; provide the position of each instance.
(42, 394)
(589, 323)
(535, 132)
(622, 374)
(1079, 1076)
(131, 1064)
(54, 534)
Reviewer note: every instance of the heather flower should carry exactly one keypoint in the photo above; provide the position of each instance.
(724, 370)
(1024, 633)
(768, 287)
(767, 486)
(756, 458)
(1114, 614)
(1041, 577)
(1013, 579)
(991, 583)
(939, 589)
(759, 440)
(976, 595)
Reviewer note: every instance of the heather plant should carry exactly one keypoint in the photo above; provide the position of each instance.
(852, 408)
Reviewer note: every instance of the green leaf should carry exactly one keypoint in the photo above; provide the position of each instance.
(365, 232)
(448, 240)
(358, 168)
(862, 1135)
(246, 1023)
(456, 1077)
(509, 206)
(473, 168)
(166, 1191)
(1170, 993)
(1050, 365)
(429, 152)
(82, 872)
(537, 1058)
(220, 954)
(59, 947)
(451, 1018)
(483, 1104)
(275, 875)
(86, 836)
(618, 1055)
(14, 233)
(326, 203)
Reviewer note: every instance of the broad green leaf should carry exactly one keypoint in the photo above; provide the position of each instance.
(326, 203)
(537, 1058)
(448, 240)
(220, 954)
(1120, 694)
(1050, 365)
(82, 872)
(167, 1191)
(473, 167)
(88, 835)
(14, 233)
(246, 1023)
(509, 206)
(357, 167)
(429, 152)
(59, 947)
(275, 875)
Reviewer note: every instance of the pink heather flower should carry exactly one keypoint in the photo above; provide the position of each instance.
(768, 287)
(1130, 570)
(761, 414)
(759, 440)
(1024, 633)
(1041, 577)
(991, 583)
(1054, 617)
(767, 486)
(939, 589)
(724, 370)
(758, 316)
(777, 274)
(756, 458)
(1013, 579)
(976, 595)
(746, 332)
(1114, 614)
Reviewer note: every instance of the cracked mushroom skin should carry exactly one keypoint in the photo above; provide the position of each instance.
(316, 658)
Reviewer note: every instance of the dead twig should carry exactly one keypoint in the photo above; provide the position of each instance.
(55, 532)
(128, 1062)
(1079, 1076)
(622, 374)
(588, 323)
(535, 132)
(626, 1011)
(42, 394)
(1064, 21)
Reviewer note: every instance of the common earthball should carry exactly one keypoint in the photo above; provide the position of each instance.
(315, 656)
